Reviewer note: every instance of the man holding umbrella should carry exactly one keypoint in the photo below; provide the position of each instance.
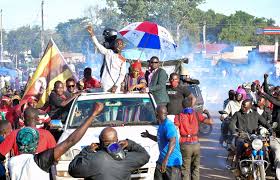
(115, 64)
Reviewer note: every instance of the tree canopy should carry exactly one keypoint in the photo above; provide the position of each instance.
(182, 18)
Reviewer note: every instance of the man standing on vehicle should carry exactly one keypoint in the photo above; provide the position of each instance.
(177, 93)
(157, 78)
(188, 124)
(98, 162)
(170, 158)
(115, 64)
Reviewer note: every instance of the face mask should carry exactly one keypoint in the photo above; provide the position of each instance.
(116, 152)
(174, 83)
(188, 110)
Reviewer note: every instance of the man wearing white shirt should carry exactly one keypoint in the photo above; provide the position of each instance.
(115, 64)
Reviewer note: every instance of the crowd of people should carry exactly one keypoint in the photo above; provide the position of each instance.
(27, 140)
(248, 108)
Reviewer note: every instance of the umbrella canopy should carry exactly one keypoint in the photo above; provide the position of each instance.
(134, 54)
(148, 35)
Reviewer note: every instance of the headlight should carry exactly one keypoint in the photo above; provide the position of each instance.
(257, 144)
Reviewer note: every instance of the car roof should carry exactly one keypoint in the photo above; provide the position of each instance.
(107, 95)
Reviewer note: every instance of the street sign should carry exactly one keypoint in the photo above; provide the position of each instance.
(271, 31)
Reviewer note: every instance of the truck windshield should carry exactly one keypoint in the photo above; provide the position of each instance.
(117, 112)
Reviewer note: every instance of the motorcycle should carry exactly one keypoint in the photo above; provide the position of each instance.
(226, 138)
(254, 160)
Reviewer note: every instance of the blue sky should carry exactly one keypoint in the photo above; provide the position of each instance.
(22, 12)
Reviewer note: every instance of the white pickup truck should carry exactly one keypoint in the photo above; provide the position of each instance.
(130, 114)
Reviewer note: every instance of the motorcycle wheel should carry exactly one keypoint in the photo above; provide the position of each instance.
(205, 130)
(261, 174)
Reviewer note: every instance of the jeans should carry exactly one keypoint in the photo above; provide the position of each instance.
(191, 161)
(275, 146)
(172, 173)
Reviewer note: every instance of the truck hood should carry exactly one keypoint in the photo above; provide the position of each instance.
(124, 132)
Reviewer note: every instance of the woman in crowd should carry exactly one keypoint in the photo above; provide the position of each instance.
(135, 80)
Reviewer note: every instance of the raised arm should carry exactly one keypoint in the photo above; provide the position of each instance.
(61, 148)
(273, 100)
(265, 84)
(99, 46)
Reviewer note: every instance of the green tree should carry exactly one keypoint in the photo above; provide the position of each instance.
(71, 35)
(240, 28)
(22, 40)
(214, 23)
(107, 17)
(133, 10)
(178, 16)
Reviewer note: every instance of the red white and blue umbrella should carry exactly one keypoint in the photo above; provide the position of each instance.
(148, 35)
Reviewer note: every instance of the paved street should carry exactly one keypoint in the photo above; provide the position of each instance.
(213, 156)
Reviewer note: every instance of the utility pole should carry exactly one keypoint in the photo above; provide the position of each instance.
(276, 45)
(42, 28)
(1, 40)
(204, 38)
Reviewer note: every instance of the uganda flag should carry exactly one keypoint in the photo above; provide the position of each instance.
(51, 68)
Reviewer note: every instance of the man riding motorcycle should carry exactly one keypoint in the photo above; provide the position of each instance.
(231, 107)
(261, 108)
(245, 121)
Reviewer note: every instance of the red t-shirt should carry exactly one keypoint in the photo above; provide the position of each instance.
(188, 125)
(91, 83)
(9, 112)
(46, 141)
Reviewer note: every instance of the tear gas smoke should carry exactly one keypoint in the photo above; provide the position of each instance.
(215, 80)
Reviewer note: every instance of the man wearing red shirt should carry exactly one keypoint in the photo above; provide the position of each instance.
(89, 81)
(46, 139)
(188, 124)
